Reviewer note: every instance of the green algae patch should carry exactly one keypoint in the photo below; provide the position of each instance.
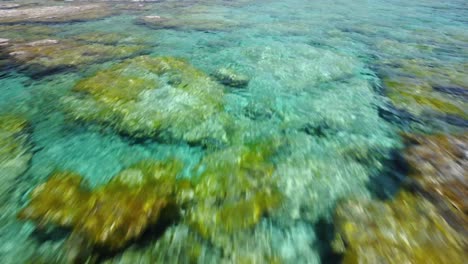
(15, 151)
(148, 96)
(234, 192)
(22, 32)
(111, 216)
(12, 124)
(418, 96)
(405, 230)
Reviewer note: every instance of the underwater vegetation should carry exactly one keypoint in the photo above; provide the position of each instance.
(230, 196)
(110, 216)
(15, 151)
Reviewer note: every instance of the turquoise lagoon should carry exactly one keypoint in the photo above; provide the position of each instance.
(325, 88)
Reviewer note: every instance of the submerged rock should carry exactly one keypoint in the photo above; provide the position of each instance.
(107, 38)
(55, 13)
(9, 6)
(405, 230)
(231, 78)
(178, 244)
(236, 189)
(24, 32)
(111, 216)
(148, 96)
(46, 55)
(200, 22)
(438, 166)
(426, 87)
(15, 152)
(417, 96)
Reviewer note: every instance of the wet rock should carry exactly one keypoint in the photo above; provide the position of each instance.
(231, 78)
(111, 216)
(55, 13)
(438, 167)
(42, 56)
(15, 152)
(407, 229)
(148, 97)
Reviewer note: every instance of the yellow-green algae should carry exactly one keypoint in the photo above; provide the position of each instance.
(418, 95)
(147, 96)
(22, 32)
(407, 229)
(232, 194)
(235, 190)
(109, 216)
(15, 151)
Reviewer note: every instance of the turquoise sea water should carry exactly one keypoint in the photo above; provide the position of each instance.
(320, 76)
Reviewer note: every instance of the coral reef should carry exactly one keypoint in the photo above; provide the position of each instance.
(407, 229)
(111, 216)
(148, 96)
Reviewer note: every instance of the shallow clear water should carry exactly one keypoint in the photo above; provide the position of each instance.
(320, 89)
